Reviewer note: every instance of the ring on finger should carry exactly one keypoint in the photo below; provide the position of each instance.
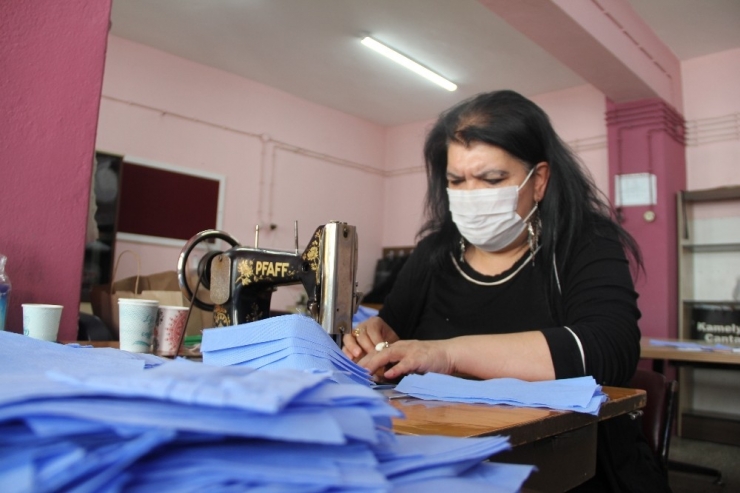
(382, 345)
(356, 332)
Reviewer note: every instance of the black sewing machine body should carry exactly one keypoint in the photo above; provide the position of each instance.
(242, 279)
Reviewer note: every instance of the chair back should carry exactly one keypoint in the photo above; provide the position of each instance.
(659, 411)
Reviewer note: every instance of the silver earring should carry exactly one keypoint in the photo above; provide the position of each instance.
(462, 250)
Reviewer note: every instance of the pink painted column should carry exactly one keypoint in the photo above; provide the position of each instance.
(647, 136)
(51, 72)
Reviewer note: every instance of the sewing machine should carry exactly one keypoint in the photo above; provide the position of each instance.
(242, 279)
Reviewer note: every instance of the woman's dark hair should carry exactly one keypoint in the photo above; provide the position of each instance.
(508, 120)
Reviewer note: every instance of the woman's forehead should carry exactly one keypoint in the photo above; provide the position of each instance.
(478, 157)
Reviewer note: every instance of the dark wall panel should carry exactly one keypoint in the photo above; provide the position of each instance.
(158, 202)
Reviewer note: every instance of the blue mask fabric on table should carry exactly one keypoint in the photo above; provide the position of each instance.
(87, 420)
(580, 394)
(691, 346)
(288, 341)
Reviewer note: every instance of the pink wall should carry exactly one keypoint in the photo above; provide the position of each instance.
(640, 141)
(284, 158)
(577, 114)
(52, 57)
(166, 109)
(606, 43)
(405, 184)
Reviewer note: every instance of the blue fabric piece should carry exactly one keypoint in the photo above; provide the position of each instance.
(580, 394)
(192, 383)
(23, 354)
(299, 426)
(414, 453)
(292, 360)
(362, 314)
(486, 477)
(348, 395)
(78, 463)
(266, 462)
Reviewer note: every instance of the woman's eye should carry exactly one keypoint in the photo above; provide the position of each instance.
(454, 182)
(493, 181)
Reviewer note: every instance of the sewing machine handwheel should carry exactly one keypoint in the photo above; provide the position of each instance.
(182, 263)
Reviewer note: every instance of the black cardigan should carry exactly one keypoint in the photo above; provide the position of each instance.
(597, 302)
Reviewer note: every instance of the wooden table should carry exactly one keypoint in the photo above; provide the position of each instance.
(562, 444)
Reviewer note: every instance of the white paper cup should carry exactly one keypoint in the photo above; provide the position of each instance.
(41, 321)
(169, 329)
(136, 320)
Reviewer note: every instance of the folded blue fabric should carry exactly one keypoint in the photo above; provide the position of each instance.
(270, 329)
(288, 341)
(581, 394)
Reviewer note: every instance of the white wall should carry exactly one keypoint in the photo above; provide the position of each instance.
(712, 112)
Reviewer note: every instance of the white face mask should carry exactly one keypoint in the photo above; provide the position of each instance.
(487, 217)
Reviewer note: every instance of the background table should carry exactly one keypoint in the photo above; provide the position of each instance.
(661, 354)
(701, 425)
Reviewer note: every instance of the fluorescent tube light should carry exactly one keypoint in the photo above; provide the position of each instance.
(408, 63)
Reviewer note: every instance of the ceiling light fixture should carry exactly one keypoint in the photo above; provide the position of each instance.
(408, 63)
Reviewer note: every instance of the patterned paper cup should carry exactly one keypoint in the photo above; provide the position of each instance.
(41, 321)
(169, 329)
(136, 319)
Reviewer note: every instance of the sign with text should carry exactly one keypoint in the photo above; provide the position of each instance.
(716, 324)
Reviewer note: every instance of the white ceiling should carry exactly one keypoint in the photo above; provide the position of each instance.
(311, 48)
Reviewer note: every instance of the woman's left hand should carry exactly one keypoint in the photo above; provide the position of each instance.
(410, 357)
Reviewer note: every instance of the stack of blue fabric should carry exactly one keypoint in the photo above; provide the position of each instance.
(93, 420)
(288, 341)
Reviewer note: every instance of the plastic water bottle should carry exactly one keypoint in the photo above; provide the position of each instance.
(4, 291)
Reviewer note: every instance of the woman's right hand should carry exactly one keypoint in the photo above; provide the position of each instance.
(365, 336)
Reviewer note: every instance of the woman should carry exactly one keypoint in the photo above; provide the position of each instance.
(521, 272)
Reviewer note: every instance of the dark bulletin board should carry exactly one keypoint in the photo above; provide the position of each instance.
(165, 203)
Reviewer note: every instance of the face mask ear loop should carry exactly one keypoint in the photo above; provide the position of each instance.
(534, 209)
(531, 172)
